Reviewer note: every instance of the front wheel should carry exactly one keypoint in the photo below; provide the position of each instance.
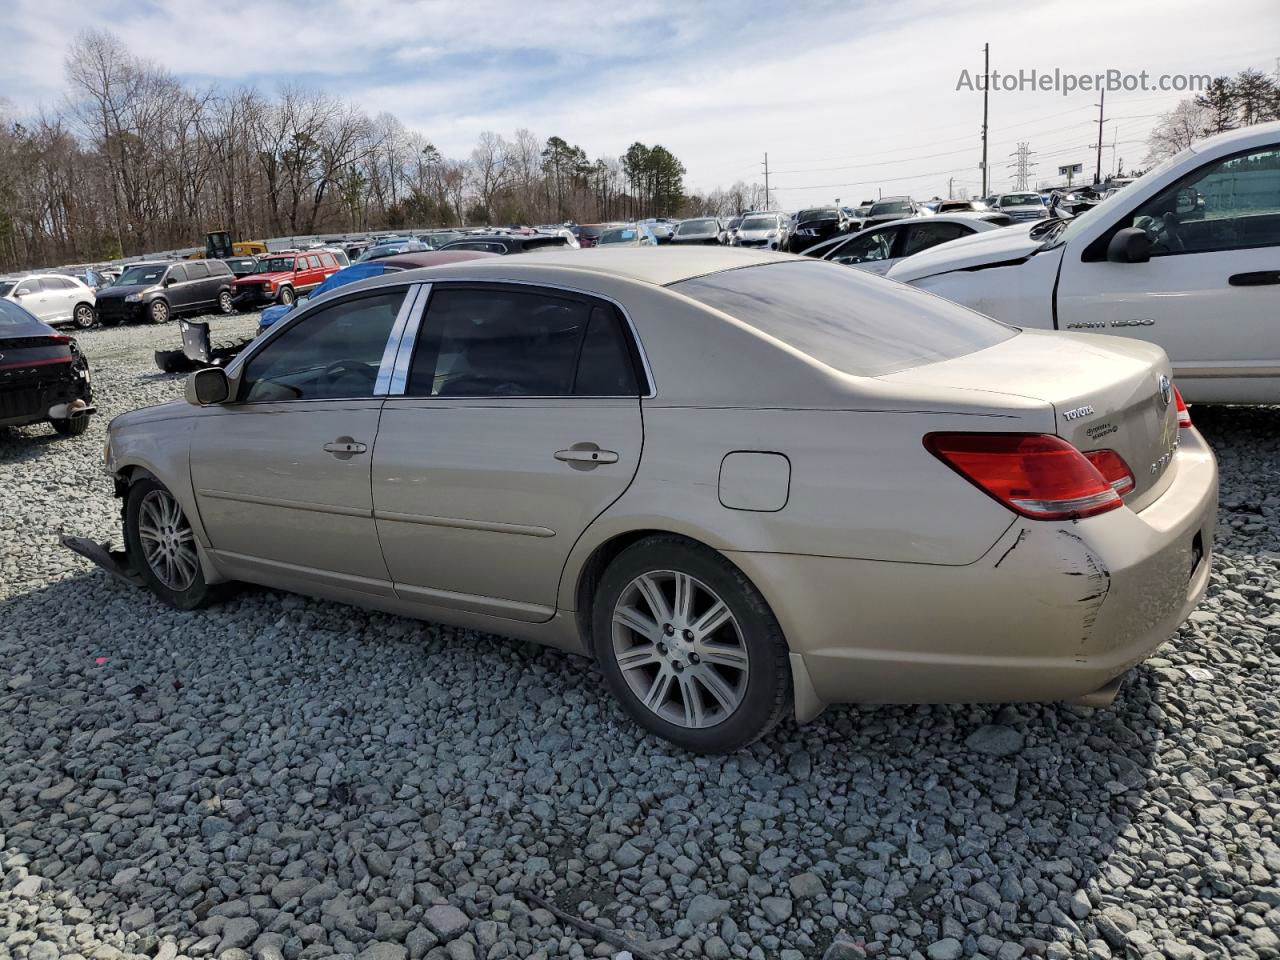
(84, 316)
(285, 296)
(689, 646)
(163, 546)
(225, 303)
(158, 312)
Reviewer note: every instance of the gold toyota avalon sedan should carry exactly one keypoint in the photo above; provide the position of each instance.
(746, 484)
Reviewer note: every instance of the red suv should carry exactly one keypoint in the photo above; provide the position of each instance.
(280, 277)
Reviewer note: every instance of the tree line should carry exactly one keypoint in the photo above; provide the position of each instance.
(1249, 97)
(136, 161)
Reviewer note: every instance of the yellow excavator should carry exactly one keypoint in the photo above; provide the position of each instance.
(218, 245)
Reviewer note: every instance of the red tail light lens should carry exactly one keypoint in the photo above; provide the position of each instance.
(58, 338)
(1113, 469)
(1034, 474)
(1184, 412)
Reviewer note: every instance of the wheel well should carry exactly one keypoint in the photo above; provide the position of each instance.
(598, 562)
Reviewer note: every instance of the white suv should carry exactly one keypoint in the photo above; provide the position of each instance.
(53, 297)
(1187, 257)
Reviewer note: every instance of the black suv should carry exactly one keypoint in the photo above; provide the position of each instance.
(159, 291)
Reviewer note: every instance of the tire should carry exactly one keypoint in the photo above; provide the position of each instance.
(83, 316)
(225, 304)
(705, 706)
(158, 312)
(71, 427)
(145, 506)
(285, 296)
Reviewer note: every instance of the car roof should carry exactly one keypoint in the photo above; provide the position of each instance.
(656, 265)
(433, 258)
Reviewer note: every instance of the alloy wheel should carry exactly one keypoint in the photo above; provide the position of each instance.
(84, 316)
(680, 649)
(159, 311)
(168, 543)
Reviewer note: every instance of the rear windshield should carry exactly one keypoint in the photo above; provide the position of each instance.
(12, 315)
(817, 215)
(844, 318)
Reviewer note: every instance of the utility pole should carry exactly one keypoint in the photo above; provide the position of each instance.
(766, 180)
(986, 92)
(1102, 98)
(951, 193)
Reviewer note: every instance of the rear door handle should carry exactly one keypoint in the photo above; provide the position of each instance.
(344, 448)
(1258, 278)
(586, 455)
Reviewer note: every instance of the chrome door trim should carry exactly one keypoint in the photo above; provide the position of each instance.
(461, 523)
(650, 383)
(382, 384)
(408, 337)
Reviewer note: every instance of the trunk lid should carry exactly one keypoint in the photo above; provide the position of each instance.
(1107, 393)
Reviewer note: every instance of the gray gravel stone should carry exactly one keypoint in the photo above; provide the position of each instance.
(995, 740)
(446, 921)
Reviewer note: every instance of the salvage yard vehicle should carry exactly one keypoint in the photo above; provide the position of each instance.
(892, 208)
(279, 278)
(767, 230)
(814, 226)
(876, 249)
(43, 374)
(698, 230)
(1021, 206)
(53, 298)
(1186, 257)
(159, 291)
(727, 476)
(504, 244)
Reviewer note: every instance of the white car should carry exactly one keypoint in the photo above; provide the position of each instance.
(765, 230)
(54, 298)
(1187, 257)
(878, 248)
(1022, 206)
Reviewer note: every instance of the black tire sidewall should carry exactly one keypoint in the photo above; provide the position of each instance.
(196, 595)
(286, 295)
(71, 427)
(769, 677)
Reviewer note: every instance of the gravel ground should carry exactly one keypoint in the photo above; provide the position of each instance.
(278, 776)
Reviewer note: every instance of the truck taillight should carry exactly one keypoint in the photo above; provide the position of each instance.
(1034, 474)
(1184, 412)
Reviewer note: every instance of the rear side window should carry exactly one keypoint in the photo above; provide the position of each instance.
(218, 269)
(517, 343)
(847, 319)
(197, 271)
(922, 236)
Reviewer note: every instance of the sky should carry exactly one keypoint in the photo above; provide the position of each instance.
(849, 99)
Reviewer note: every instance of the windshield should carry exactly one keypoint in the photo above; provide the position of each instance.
(890, 206)
(846, 319)
(274, 265)
(623, 235)
(6, 287)
(1021, 200)
(698, 226)
(1118, 199)
(148, 273)
(760, 223)
(828, 214)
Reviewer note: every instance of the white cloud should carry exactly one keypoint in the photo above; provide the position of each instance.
(844, 98)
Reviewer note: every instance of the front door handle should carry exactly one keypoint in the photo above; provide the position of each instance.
(1258, 278)
(344, 448)
(586, 455)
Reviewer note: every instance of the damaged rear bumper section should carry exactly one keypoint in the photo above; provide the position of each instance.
(1053, 611)
(115, 562)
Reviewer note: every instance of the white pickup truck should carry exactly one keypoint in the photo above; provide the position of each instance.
(1187, 257)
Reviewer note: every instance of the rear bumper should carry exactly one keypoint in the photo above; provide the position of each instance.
(1053, 611)
(27, 400)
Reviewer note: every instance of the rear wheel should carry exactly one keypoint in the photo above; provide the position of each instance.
(163, 546)
(83, 316)
(285, 296)
(225, 303)
(689, 646)
(158, 312)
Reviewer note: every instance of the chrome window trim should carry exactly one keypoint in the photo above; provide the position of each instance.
(650, 383)
(382, 384)
(404, 352)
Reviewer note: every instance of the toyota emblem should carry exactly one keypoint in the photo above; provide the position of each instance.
(1166, 390)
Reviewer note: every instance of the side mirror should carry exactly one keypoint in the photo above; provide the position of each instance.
(208, 387)
(168, 282)
(1130, 245)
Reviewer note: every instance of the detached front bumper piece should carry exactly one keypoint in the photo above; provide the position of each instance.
(115, 562)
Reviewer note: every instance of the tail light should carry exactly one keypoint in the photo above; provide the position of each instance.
(1113, 469)
(1034, 474)
(63, 338)
(1184, 412)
